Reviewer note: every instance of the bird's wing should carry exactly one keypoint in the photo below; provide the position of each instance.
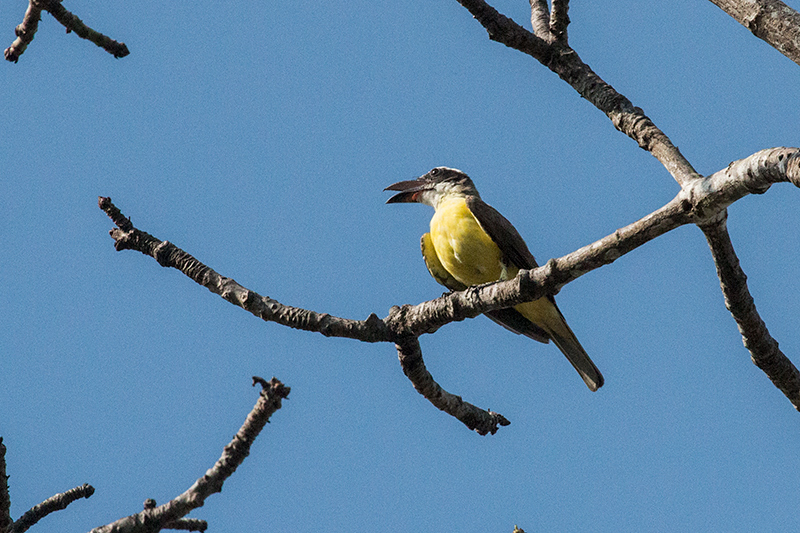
(515, 252)
(512, 320)
(504, 235)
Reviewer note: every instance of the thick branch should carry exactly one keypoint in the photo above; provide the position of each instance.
(50, 505)
(30, 23)
(751, 175)
(769, 20)
(410, 355)
(564, 61)
(763, 348)
(153, 519)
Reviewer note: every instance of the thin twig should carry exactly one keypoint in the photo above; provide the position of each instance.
(25, 32)
(127, 237)
(73, 24)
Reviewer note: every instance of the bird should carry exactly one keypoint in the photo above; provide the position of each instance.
(471, 243)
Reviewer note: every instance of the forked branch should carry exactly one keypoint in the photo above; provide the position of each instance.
(553, 52)
(26, 31)
(769, 19)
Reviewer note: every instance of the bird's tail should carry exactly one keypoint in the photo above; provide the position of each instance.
(546, 314)
(572, 349)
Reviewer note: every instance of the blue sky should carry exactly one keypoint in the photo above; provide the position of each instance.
(259, 139)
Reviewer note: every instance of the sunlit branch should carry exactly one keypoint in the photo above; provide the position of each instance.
(769, 20)
(564, 61)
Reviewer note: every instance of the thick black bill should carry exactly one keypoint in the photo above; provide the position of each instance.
(408, 191)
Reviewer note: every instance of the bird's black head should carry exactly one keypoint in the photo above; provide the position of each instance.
(428, 188)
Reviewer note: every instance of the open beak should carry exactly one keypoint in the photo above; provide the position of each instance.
(409, 191)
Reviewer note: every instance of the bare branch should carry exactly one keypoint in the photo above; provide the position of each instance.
(168, 255)
(73, 23)
(769, 20)
(559, 20)
(764, 350)
(30, 23)
(371, 330)
(156, 518)
(24, 32)
(700, 202)
(5, 499)
(51, 505)
(410, 355)
(565, 62)
(540, 19)
(751, 175)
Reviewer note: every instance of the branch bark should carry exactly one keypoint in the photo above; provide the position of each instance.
(556, 55)
(50, 505)
(30, 24)
(764, 351)
(154, 519)
(770, 20)
(484, 422)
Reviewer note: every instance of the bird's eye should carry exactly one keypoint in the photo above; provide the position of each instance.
(435, 172)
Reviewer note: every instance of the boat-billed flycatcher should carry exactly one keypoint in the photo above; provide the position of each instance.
(470, 243)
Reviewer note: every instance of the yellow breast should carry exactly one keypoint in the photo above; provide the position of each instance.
(464, 249)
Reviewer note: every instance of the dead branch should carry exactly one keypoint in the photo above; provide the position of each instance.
(770, 20)
(50, 505)
(701, 202)
(153, 518)
(549, 47)
(484, 422)
(26, 31)
(708, 197)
